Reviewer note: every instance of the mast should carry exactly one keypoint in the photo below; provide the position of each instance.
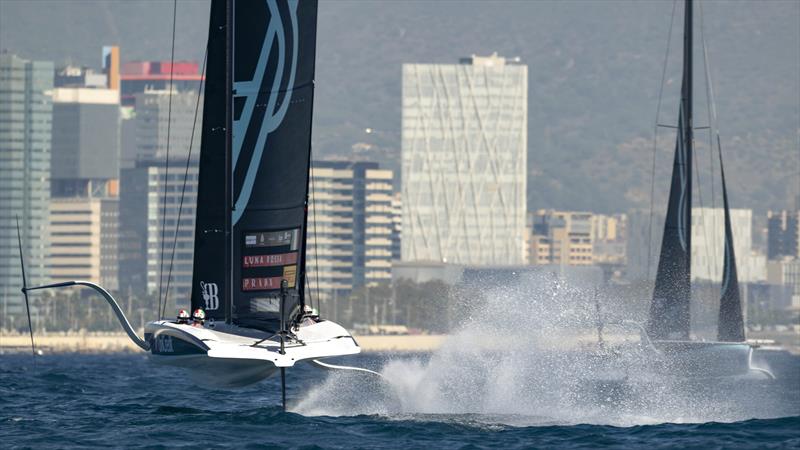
(670, 307)
(228, 159)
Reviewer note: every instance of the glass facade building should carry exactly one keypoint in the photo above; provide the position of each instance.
(26, 112)
(464, 162)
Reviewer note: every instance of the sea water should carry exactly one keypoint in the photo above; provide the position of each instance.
(77, 401)
(501, 380)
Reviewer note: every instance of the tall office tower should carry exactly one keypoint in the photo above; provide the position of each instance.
(145, 129)
(25, 136)
(708, 238)
(329, 254)
(783, 234)
(164, 235)
(349, 227)
(372, 189)
(86, 141)
(83, 240)
(397, 225)
(643, 239)
(464, 145)
(157, 114)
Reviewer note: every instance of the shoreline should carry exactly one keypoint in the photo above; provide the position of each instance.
(112, 342)
(109, 342)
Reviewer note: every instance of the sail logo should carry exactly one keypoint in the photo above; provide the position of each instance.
(210, 293)
(277, 36)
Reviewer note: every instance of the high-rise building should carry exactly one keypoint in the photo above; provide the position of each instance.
(83, 240)
(349, 227)
(149, 228)
(26, 112)
(86, 140)
(643, 233)
(397, 225)
(708, 238)
(783, 234)
(464, 158)
(145, 132)
(786, 272)
(158, 114)
(165, 233)
(375, 244)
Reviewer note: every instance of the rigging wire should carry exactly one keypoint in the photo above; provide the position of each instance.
(655, 140)
(185, 178)
(713, 128)
(316, 243)
(166, 167)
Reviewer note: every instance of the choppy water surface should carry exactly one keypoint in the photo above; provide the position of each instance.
(496, 382)
(126, 401)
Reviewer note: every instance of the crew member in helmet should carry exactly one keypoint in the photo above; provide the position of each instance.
(310, 316)
(183, 317)
(198, 317)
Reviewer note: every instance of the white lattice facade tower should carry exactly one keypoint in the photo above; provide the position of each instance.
(464, 162)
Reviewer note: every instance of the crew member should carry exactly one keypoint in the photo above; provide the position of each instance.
(198, 317)
(183, 317)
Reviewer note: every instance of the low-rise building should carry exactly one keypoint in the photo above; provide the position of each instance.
(561, 238)
(83, 240)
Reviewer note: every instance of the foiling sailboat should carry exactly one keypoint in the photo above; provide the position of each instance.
(250, 238)
(668, 326)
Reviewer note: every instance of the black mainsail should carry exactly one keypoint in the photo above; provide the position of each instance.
(669, 310)
(254, 161)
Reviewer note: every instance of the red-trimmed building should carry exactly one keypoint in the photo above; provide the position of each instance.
(139, 76)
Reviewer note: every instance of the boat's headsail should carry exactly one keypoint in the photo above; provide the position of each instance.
(669, 310)
(257, 221)
(730, 327)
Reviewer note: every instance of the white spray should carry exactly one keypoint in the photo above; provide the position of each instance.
(526, 356)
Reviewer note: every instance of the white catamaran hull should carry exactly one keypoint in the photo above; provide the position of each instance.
(229, 356)
(704, 359)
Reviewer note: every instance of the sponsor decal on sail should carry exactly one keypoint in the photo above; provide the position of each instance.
(272, 239)
(281, 259)
(270, 283)
(261, 283)
(210, 293)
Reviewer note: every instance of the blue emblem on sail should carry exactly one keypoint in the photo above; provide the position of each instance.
(274, 115)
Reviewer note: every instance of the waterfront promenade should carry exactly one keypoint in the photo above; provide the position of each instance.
(118, 342)
(111, 342)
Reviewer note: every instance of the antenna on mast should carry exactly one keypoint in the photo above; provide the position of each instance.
(25, 289)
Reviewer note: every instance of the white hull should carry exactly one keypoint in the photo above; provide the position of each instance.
(704, 359)
(229, 356)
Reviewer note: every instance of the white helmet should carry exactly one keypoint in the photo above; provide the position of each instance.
(199, 315)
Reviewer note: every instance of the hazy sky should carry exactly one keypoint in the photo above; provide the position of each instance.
(594, 72)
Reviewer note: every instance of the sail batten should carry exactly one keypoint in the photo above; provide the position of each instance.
(270, 99)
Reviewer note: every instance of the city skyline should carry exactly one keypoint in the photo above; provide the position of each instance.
(593, 99)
